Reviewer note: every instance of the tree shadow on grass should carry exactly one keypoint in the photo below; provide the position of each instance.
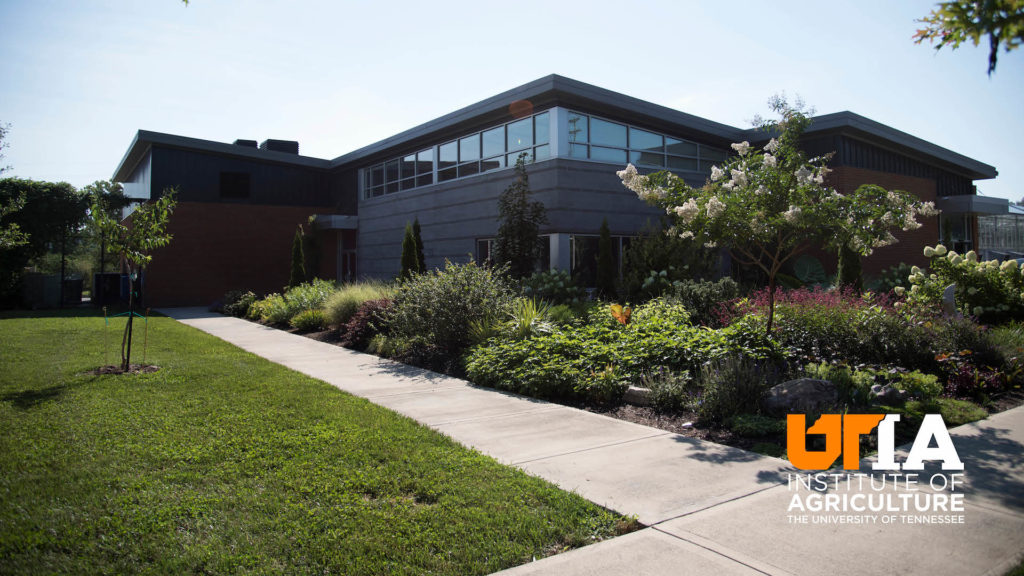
(28, 399)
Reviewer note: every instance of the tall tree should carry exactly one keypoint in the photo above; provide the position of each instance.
(605, 262)
(766, 206)
(109, 197)
(133, 242)
(952, 23)
(11, 234)
(421, 261)
(518, 241)
(298, 270)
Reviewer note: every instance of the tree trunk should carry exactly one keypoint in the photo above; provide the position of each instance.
(771, 303)
(126, 342)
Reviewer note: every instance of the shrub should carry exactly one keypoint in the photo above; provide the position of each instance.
(670, 391)
(890, 278)
(661, 310)
(236, 303)
(731, 386)
(308, 296)
(604, 386)
(308, 320)
(438, 307)
(989, 290)
(703, 298)
(555, 287)
(365, 324)
(343, 304)
(529, 317)
(670, 258)
(271, 310)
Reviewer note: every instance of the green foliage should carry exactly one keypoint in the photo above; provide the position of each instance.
(848, 274)
(410, 261)
(991, 290)
(108, 196)
(298, 269)
(127, 474)
(11, 235)
(853, 386)
(554, 286)
(528, 318)
(952, 23)
(236, 303)
(670, 391)
(732, 385)
(765, 206)
(661, 310)
(756, 425)
(605, 386)
(564, 363)
(365, 324)
(310, 320)
(343, 303)
(517, 243)
(605, 264)
(281, 308)
(561, 314)
(438, 307)
(421, 260)
(655, 261)
(703, 299)
(890, 278)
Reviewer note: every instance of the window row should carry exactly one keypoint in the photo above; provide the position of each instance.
(602, 140)
(477, 153)
(584, 250)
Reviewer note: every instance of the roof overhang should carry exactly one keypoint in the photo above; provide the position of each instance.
(972, 204)
(145, 140)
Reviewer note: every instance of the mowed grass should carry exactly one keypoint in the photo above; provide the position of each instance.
(222, 462)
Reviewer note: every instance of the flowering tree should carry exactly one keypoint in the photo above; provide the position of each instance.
(766, 206)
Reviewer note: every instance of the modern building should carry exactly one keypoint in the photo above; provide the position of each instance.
(240, 204)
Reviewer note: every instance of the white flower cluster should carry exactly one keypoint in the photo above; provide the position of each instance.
(642, 185)
(742, 147)
(771, 146)
(715, 207)
(688, 211)
(716, 173)
(770, 161)
(793, 214)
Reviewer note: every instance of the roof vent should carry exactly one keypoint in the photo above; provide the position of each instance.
(286, 146)
(246, 143)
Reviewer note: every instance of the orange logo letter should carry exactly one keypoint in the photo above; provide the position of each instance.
(796, 441)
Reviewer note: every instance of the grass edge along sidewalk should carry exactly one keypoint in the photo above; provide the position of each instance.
(224, 462)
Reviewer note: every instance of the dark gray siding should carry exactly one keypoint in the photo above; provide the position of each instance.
(453, 215)
(196, 175)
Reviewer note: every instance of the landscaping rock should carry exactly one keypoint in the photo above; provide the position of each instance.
(885, 393)
(801, 395)
(949, 300)
(637, 396)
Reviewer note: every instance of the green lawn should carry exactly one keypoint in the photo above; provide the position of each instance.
(224, 462)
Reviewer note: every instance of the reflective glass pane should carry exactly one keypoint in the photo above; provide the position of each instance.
(608, 154)
(409, 166)
(677, 163)
(705, 165)
(542, 152)
(577, 128)
(680, 147)
(392, 187)
(425, 162)
(542, 125)
(391, 170)
(607, 133)
(644, 140)
(494, 141)
(378, 191)
(520, 134)
(425, 180)
(377, 175)
(447, 174)
(448, 155)
(408, 184)
(513, 158)
(712, 153)
(492, 164)
(469, 148)
(647, 159)
(578, 150)
(469, 169)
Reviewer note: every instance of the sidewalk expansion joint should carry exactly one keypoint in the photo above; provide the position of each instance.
(716, 504)
(775, 572)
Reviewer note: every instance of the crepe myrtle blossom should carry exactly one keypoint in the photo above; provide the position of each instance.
(715, 207)
(771, 146)
(716, 173)
(770, 161)
(742, 148)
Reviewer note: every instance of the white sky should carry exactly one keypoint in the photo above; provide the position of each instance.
(78, 78)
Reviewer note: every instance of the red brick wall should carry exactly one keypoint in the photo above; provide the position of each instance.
(219, 247)
(910, 247)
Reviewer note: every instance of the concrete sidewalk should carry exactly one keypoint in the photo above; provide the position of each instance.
(710, 509)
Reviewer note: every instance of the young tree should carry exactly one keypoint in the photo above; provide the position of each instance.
(410, 262)
(518, 243)
(605, 263)
(954, 22)
(421, 261)
(298, 270)
(766, 206)
(133, 243)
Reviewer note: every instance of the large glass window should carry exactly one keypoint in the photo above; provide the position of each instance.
(520, 134)
(469, 148)
(607, 133)
(494, 142)
(644, 140)
(541, 128)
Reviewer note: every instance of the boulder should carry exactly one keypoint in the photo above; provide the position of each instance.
(637, 396)
(801, 396)
(885, 393)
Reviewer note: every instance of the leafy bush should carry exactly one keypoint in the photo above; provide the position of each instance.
(365, 324)
(437, 308)
(670, 391)
(661, 310)
(281, 308)
(555, 287)
(731, 386)
(890, 278)
(529, 317)
(562, 364)
(271, 310)
(670, 258)
(236, 303)
(605, 386)
(853, 386)
(703, 298)
(308, 320)
(343, 304)
(989, 290)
